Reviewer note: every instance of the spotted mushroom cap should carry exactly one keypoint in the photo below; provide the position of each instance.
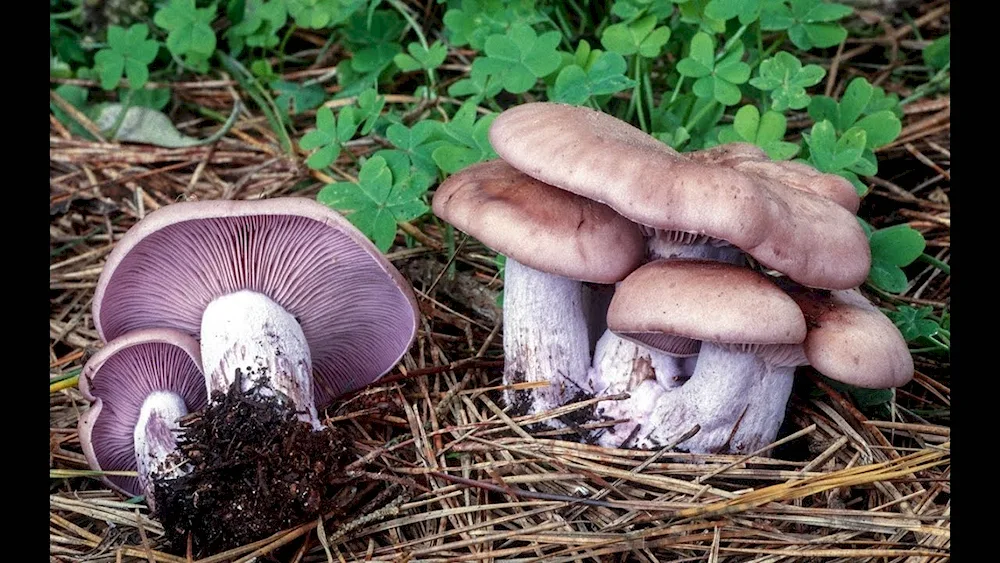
(674, 305)
(538, 225)
(808, 237)
(357, 312)
(851, 341)
(118, 379)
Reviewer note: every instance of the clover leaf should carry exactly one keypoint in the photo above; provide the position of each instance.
(786, 79)
(860, 98)
(467, 140)
(938, 53)
(766, 131)
(717, 80)
(318, 14)
(329, 137)
(915, 323)
(520, 57)
(417, 143)
(385, 194)
(129, 52)
(603, 75)
(479, 85)
(640, 36)
(190, 34)
(257, 25)
(420, 58)
(723, 10)
(893, 248)
(473, 21)
(295, 98)
(370, 106)
(809, 23)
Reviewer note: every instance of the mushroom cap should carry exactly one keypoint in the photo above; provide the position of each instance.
(538, 225)
(851, 341)
(673, 305)
(357, 312)
(117, 380)
(809, 238)
(751, 158)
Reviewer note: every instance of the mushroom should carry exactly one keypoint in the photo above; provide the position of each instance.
(848, 340)
(284, 294)
(605, 159)
(750, 333)
(139, 385)
(553, 240)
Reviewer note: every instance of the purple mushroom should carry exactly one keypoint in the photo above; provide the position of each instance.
(285, 295)
(139, 385)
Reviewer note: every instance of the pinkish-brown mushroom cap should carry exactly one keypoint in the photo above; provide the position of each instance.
(675, 304)
(851, 341)
(809, 238)
(538, 225)
(117, 380)
(357, 312)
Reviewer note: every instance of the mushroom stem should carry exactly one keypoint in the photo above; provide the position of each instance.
(248, 337)
(545, 338)
(155, 439)
(645, 373)
(736, 397)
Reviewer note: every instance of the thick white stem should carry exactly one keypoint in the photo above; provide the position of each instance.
(717, 398)
(155, 439)
(764, 416)
(545, 338)
(248, 336)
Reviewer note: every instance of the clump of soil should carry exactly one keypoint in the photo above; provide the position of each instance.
(256, 470)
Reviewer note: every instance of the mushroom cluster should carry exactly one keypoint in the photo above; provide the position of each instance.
(726, 270)
(282, 297)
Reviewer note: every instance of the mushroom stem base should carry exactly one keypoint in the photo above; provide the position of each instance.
(155, 439)
(735, 398)
(545, 338)
(248, 337)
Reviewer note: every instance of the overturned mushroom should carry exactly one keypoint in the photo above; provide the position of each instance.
(553, 240)
(139, 385)
(282, 293)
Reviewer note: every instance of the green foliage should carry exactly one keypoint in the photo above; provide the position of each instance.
(129, 52)
(641, 37)
(329, 136)
(467, 141)
(784, 77)
(716, 80)
(386, 193)
(938, 54)
(190, 34)
(420, 58)
(520, 57)
(475, 20)
(862, 121)
(296, 98)
(257, 25)
(766, 131)
(592, 73)
(809, 23)
(893, 248)
(693, 73)
(318, 14)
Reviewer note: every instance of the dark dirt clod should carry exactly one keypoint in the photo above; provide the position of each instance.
(257, 470)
